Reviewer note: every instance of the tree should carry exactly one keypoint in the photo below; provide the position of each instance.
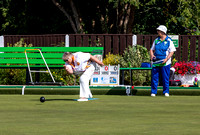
(115, 16)
(189, 16)
(180, 17)
(32, 17)
(10, 15)
(99, 16)
(74, 19)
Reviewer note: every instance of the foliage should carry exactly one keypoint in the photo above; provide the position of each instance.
(98, 42)
(113, 16)
(59, 44)
(112, 59)
(31, 17)
(60, 75)
(133, 57)
(12, 76)
(173, 62)
(183, 68)
(189, 11)
(20, 43)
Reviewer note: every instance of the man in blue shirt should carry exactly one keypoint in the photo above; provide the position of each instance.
(162, 50)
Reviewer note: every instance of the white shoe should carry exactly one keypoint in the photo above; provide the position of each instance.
(83, 99)
(166, 94)
(153, 95)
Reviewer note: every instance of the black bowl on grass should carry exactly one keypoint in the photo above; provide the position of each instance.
(42, 99)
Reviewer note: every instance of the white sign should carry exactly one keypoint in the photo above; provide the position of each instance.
(174, 40)
(106, 75)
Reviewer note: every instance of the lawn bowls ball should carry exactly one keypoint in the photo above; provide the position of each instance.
(42, 99)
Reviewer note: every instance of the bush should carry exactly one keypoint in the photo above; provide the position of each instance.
(112, 59)
(20, 43)
(133, 57)
(12, 76)
(60, 75)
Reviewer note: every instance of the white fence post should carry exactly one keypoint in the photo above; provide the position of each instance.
(66, 40)
(1, 41)
(134, 40)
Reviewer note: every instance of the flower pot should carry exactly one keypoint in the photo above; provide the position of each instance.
(187, 78)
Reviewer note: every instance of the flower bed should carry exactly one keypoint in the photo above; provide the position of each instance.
(183, 68)
(187, 71)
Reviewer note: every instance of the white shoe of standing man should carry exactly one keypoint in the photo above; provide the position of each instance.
(166, 94)
(153, 95)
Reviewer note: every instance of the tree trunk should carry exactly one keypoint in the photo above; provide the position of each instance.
(130, 20)
(75, 25)
(125, 18)
(76, 17)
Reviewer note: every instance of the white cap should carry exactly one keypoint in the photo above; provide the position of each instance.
(162, 28)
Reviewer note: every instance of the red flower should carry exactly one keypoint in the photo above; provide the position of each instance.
(183, 68)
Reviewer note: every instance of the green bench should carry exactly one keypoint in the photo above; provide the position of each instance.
(15, 57)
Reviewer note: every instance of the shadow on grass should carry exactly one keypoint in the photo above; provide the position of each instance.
(47, 100)
(59, 99)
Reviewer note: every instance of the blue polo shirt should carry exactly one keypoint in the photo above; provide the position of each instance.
(163, 48)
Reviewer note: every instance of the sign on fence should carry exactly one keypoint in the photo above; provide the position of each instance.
(174, 39)
(106, 75)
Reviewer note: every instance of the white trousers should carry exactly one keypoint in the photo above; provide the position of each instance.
(84, 82)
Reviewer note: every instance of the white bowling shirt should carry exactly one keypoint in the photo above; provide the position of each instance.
(80, 63)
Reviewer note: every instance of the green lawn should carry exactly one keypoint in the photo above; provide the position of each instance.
(109, 115)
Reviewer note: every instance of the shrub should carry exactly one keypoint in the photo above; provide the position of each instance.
(60, 75)
(12, 76)
(133, 57)
(20, 43)
(112, 59)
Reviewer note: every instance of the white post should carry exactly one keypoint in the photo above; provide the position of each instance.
(66, 40)
(1, 41)
(118, 67)
(134, 40)
(23, 90)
